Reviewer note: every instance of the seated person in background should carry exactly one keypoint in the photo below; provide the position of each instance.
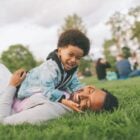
(133, 61)
(101, 67)
(123, 68)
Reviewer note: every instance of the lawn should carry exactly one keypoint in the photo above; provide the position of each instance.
(123, 124)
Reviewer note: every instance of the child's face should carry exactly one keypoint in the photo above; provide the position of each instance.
(70, 56)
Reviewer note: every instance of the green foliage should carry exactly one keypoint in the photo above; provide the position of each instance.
(123, 124)
(135, 12)
(84, 63)
(18, 56)
(120, 26)
(115, 22)
(136, 31)
(109, 57)
(73, 22)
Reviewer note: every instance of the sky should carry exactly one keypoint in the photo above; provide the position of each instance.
(35, 23)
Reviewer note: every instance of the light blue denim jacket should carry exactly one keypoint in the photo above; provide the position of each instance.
(44, 79)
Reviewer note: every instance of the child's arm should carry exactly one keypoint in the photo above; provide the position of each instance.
(46, 77)
(74, 85)
(49, 78)
(56, 94)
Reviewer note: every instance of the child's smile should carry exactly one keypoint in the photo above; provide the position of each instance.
(70, 56)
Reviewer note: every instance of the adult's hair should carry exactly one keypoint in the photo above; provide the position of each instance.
(98, 61)
(111, 102)
(76, 38)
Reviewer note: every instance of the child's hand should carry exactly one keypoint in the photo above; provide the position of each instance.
(71, 105)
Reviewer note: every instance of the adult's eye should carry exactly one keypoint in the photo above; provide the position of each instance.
(70, 54)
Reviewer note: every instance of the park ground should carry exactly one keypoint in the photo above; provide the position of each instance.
(122, 124)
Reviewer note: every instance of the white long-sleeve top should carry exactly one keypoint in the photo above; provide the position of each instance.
(37, 109)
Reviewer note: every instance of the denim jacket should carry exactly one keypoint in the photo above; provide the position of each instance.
(47, 79)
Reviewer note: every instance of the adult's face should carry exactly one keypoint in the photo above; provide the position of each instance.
(90, 98)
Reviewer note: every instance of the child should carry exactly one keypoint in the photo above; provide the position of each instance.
(56, 78)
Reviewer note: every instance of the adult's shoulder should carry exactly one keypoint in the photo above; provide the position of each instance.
(4, 70)
(5, 75)
(3, 67)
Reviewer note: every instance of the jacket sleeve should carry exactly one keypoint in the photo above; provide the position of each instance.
(6, 100)
(48, 82)
(74, 84)
(48, 78)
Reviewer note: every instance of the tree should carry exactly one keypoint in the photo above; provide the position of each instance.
(73, 22)
(119, 27)
(135, 12)
(107, 52)
(18, 56)
(84, 63)
(136, 31)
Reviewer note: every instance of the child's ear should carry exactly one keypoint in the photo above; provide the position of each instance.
(59, 51)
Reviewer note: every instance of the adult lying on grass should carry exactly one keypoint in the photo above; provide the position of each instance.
(38, 108)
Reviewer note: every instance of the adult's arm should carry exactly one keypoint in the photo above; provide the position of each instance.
(40, 113)
(43, 109)
(6, 98)
(6, 101)
(5, 75)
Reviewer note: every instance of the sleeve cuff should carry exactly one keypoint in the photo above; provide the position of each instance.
(62, 97)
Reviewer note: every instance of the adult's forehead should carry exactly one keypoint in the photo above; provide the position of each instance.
(92, 90)
(100, 91)
(97, 99)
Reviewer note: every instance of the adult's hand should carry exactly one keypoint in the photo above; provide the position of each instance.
(17, 77)
(71, 105)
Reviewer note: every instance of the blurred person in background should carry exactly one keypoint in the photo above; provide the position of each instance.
(123, 68)
(133, 61)
(101, 67)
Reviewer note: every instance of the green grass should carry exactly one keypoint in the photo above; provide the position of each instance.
(123, 124)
